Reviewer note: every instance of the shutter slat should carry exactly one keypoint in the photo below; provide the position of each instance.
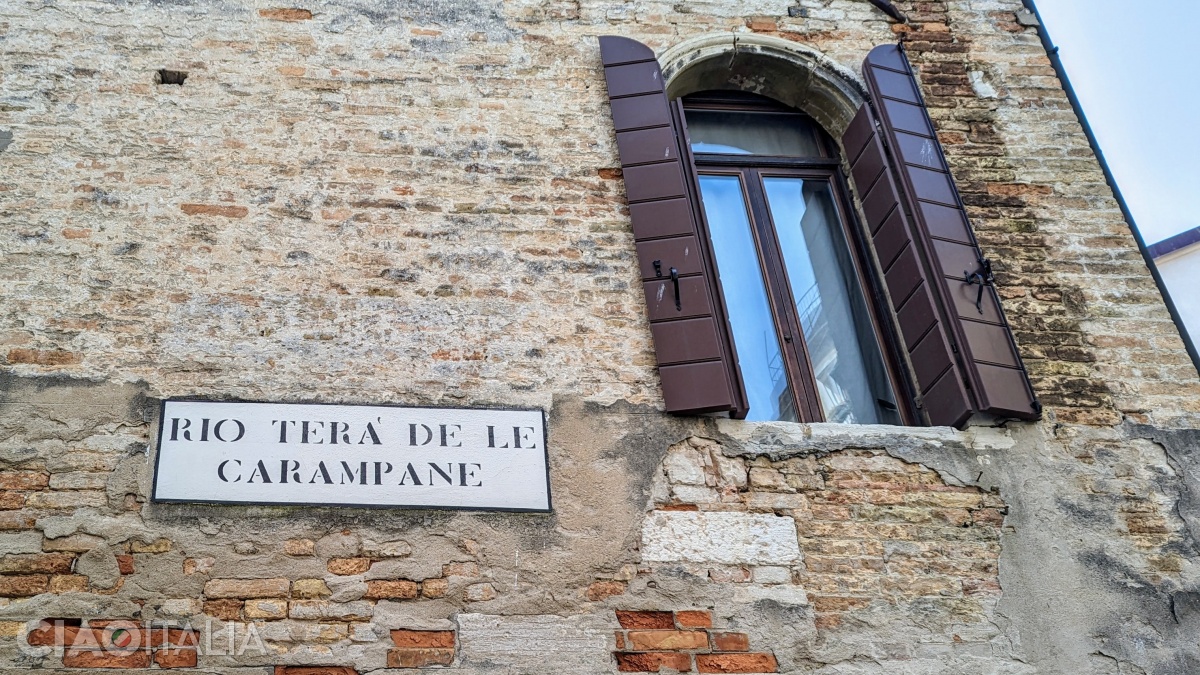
(681, 251)
(904, 277)
(930, 359)
(989, 343)
(665, 218)
(653, 181)
(639, 112)
(632, 79)
(917, 317)
(930, 185)
(891, 239)
(879, 203)
(918, 150)
(615, 50)
(695, 355)
(963, 296)
(869, 166)
(944, 401)
(946, 222)
(686, 340)
(691, 386)
(955, 260)
(693, 298)
(988, 369)
(647, 145)
(906, 117)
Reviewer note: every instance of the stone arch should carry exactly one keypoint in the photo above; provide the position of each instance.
(786, 71)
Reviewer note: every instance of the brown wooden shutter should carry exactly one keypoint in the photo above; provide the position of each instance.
(696, 360)
(954, 328)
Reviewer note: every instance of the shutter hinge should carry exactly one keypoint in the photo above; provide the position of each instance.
(982, 276)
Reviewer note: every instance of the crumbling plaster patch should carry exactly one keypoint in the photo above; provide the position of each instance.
(1077, 588)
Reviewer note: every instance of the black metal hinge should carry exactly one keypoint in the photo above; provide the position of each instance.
(982, 276)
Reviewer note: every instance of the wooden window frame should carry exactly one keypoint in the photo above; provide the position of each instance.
(751, 170)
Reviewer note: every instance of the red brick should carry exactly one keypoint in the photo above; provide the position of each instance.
(214, 210)
(120, 634)
(399, 589)
(460, 569)
(43, 357)
(175, 658)
(414, 639)
(16, 521)
(419, 658)
(730, 642)
(69, 584)
(87, 658)
(348, 566)
(762, 24)
(620, 638)
(435, 588)
(125, 564)
(837, 604)
(286, 14)
(644, 620)
(657, 640)
(24, 586)
(693, 618)
(827, 621)
(54, 632)
(736, 663)
(23, 480)
(225, 610)
(604, 589)
(175, 637)
(37, 563)
(650, 662)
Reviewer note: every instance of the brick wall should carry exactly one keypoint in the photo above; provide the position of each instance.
(416, 202)
(872, 534)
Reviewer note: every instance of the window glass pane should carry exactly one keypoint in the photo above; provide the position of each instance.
(742, 133)
(759, 356)
(845, 356)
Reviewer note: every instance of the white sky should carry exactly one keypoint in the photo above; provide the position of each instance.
(1134, 68)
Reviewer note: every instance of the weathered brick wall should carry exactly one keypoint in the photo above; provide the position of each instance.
(417, 202)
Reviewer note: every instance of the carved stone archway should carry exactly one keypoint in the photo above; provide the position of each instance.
(786, 71)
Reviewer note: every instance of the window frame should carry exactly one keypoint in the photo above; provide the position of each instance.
(958, 350)
(828, 168)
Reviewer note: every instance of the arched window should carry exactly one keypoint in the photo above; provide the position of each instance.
(781, 230)
(768, 296)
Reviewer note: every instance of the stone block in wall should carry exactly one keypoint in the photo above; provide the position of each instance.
(421, 648)
(398, 589)
(310, 588)
(736, 663)
(575, 644)
(247, 588)
(269, 608)
(724, 538)
(359, 610)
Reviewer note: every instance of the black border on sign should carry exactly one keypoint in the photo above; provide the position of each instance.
(162, 409)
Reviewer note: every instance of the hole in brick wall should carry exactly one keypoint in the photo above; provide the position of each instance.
(165, 76)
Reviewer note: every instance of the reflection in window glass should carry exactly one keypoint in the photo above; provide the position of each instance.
(759, 356)
(742, 133)
(841, 344)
